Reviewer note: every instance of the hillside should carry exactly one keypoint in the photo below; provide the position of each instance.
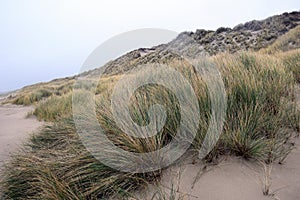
(258, 64)
(253, 35)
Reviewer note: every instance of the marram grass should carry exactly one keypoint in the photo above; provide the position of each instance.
(260, 118)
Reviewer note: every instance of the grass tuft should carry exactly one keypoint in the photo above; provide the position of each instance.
(261, 108)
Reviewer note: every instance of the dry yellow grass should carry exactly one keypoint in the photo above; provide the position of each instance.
(260, 101)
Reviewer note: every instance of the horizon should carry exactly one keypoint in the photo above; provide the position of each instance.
(52, 39)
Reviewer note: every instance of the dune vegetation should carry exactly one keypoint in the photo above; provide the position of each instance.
(287, 42)
(38, 92)
(261, 121)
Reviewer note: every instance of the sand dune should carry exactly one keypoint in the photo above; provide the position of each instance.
(233, 178)
(236, 179)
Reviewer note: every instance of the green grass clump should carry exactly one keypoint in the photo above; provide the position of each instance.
(34, 93)
(261, 114)
(54, 108)
(57, 166)
(260, 91)
(32, 97)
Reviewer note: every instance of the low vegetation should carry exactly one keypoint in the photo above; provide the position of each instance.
(260, 109)
(32, 94)
(291, 60)
(54, 107)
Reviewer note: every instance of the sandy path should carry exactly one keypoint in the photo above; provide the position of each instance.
(15, 128)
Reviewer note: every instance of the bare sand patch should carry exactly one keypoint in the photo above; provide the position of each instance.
(15, 128)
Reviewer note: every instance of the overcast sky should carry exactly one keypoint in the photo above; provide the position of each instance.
(43, 40)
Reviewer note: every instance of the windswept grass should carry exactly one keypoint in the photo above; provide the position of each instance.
(54, 108)
(31, 97)
(286, 47)
(291, 61)
(34, 93)
(259, 90)
(55, 164)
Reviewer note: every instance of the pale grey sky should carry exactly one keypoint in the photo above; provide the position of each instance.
(43, 40)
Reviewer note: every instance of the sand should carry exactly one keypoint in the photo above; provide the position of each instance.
(15, 128)
(233, 178)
